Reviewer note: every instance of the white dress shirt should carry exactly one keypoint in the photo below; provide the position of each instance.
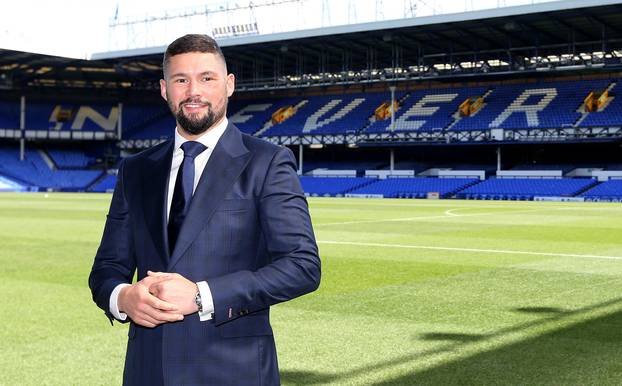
(209, 139)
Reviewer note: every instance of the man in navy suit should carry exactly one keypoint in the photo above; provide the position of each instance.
(216, 226)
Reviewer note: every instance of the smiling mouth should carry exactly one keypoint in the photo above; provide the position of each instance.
(194, 102)
(193, 108)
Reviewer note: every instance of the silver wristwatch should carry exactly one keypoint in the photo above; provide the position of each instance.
(198, 302)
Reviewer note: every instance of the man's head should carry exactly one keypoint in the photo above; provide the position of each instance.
(196, 84)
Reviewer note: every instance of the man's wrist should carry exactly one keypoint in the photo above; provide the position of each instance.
(121, 298)
(198, 301)
(207, 301)
(115, 302)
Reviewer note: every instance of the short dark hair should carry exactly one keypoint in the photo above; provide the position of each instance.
(191, 43)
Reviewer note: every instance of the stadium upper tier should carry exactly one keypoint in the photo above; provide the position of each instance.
(543, 105)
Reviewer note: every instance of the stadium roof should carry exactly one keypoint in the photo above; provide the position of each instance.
(574, 34)
(382, 26)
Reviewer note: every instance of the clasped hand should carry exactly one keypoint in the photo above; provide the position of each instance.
(158, 298)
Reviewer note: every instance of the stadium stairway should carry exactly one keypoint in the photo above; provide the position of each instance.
(457, 117)
(47, 159)
(454, 193)
(610, 190)
(269, 124)
(16, 178)
(585, 114)
(586, 188)
(315, 119)
(372, 118)
(104, 183)
(9, 185)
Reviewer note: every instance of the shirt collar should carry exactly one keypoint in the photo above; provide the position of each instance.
(209, 138)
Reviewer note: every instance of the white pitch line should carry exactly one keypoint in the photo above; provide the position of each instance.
(420, 203)
(450, 212)
(444, 216)
(543, 205)
(381, 245)
(603, 209)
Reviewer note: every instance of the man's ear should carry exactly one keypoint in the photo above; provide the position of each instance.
(163, 89)
(230, 84)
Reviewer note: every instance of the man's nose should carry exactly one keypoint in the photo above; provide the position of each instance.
(193, 88)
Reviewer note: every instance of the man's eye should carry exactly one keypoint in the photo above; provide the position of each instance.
(207, 78)
(180, 80)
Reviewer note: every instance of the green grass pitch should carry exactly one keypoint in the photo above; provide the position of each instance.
(414, 292)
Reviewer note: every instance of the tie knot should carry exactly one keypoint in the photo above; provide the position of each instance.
(192, 148)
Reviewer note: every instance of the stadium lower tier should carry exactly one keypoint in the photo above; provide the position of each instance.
(58, 170)
(609, 190)
(561, 104)
(39, 171)
(464, 188)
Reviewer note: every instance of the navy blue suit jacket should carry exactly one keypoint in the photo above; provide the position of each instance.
(248, 233)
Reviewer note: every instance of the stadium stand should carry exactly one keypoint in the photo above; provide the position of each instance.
(69, 158)
(8, 185)
(9, 115)
(91, 117)
(565, 168)
(251, 117)
(143, 122)
(336, 114)
(427, 110)
(611, 113)
(417, 187)
(540, 105)
(35, 173)
(359, 166)
(105, 184)
(517, 107)
(520, 106)
(332, 186)
(606, 191)
(525, 188)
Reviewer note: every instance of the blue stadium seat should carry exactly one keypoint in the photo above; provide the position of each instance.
(33, 171)
(527, 188)
(332, 186)
(608, 190)
(418, 187)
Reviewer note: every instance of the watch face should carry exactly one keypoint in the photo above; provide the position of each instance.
(198, 302)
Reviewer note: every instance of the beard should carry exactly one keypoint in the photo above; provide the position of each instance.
(195, 123)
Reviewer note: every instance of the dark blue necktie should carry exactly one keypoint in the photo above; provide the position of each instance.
(182, 195)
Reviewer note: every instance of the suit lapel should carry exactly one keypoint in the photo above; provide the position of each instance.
(225, 164)
(155, 185)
